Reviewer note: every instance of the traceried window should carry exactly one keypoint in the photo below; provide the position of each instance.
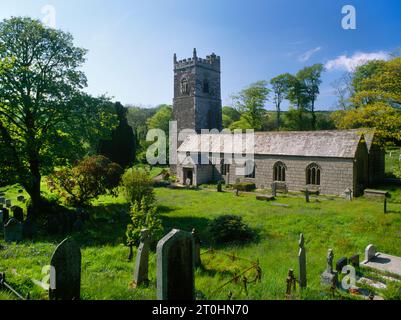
(250, 168)
(184, 86)
(225, 168)
(279, 170)
(313, 173)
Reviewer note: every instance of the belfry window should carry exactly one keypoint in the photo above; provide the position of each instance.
(313, 173)
(206, 86)
(184, 86)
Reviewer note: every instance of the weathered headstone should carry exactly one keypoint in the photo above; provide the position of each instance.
(348, 194)
(354, 261)
(329, 277)
(142, 260)
(341, 263)
(2, 200)
(274, 189)
(8, 203)
(65, 275)
(21, 198)
(176, 266)
(13, 231)
(197, 242)
(302, 262)
(307, 198)
(18, 213)
(370, 252)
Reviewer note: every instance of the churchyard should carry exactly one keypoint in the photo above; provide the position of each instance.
(346, 227)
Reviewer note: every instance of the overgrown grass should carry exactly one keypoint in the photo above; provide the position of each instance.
(346, 227)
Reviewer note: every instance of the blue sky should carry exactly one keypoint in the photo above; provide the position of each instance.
(131, 43)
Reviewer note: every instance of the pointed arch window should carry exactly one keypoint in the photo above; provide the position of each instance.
(205, 86)
(184, 86)
(313, 174)
(279, 171)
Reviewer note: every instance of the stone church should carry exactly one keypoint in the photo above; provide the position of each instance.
(326, 161)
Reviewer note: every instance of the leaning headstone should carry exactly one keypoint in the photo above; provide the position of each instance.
(18, 213)
(329, 277)
(176, 266)
(13, 231)
(370, 252)
(341, 263)
(197, 241)
(274, 189)
(142, 260)
(354, 261)
(65, 275)
(302, 262)
(8, 203)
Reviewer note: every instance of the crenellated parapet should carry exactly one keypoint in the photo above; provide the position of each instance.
(211, 62)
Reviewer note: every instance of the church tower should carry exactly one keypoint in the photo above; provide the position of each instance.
(197, 93)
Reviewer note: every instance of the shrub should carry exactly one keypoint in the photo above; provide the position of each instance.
(87, 180)
(144, 216)
(244, 186)
(230, 228)
(137, 184)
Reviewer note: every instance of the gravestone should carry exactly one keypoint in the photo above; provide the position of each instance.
(176, 266)
(18, 213)
(341, 263)
(302, 262)
(370, 252)
(329, 277)
(65, 275)
(8, 203)
(142, 260)
(197, 242)
(385, 205)
(13, 231)
(6, 215)
(1, 217)
(21, 198)
(354, 261)
(2, 200)
(307, 198)
(274, 189)
(348, 194)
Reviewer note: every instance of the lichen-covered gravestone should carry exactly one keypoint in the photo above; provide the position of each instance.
(176, 267)
(65, 275)
(6, 215)
(13, 231)
(329, 277)
(142, 260)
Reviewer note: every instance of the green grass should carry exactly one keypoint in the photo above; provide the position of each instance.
(346, 227)
(392, 160)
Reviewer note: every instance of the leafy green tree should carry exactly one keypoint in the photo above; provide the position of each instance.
(161, 120)
(280, 86)
(297, 96)
(45, 117)
(310, 79)
(250, 102)
(122, 145)
(230, 115)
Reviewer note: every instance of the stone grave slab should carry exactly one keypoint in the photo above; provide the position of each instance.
(385, 263)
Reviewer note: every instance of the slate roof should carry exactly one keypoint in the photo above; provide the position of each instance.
(332, 144)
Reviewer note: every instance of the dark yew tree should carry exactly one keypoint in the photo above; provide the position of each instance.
(45, 118)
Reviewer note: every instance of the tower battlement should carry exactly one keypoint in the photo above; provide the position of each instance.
(211, 62)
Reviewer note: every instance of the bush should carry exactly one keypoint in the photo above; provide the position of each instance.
(230, 228)
(244, 186)
(144, 216)
(87, 180)
(137, 185)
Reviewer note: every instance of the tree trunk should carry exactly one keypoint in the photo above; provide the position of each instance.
(313, 116)
(33, 188)
(278, 117)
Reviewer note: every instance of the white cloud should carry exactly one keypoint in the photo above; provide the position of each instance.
(359, 58)
(308, 54)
